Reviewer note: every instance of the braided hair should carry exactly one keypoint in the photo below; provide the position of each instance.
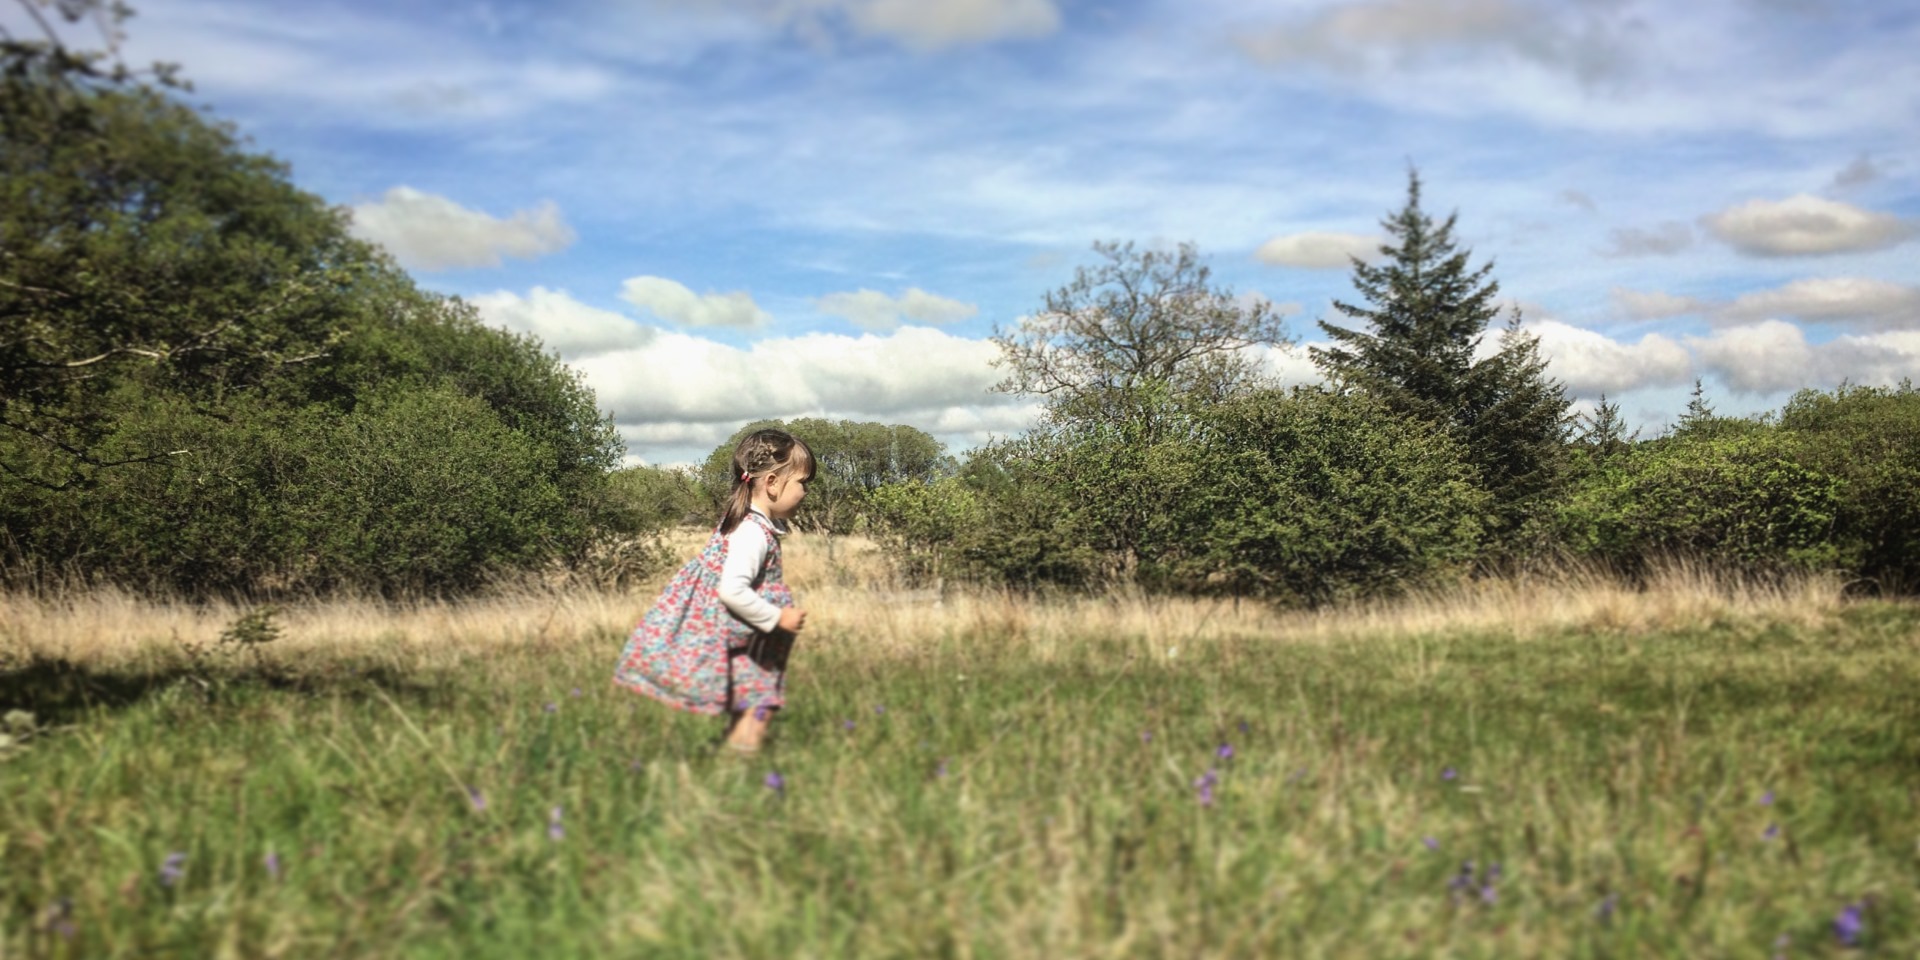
(762, 453)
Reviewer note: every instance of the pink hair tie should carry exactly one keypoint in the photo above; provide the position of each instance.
(745, 477)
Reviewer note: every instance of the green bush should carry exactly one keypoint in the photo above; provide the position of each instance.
(1311, 496)
(1740, 498)
(1868, 438)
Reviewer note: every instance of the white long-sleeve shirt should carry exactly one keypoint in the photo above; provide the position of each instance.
(747, 549)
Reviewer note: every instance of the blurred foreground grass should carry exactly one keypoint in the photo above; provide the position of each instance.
(1700, 773)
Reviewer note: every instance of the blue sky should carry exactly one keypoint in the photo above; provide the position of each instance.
(720, 210)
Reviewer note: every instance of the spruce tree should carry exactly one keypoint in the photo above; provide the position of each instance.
(1423, 313)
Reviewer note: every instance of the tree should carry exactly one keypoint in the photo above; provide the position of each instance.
(851, 460)
(1141, 318)
(196, 357)
(1425, 313)
(1603, 432)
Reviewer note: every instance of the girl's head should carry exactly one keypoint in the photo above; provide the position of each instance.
(767, 463)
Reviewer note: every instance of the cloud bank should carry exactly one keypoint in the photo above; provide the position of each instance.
(428, 232)
(1804, 226)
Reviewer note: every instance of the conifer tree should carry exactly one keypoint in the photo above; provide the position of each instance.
(1423, 313)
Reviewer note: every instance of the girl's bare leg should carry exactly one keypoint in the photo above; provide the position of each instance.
(749, 729)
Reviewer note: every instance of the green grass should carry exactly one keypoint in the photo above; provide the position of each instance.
(1011, 801)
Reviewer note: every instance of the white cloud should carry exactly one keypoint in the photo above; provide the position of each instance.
(562, 323)
(877, 311)
(675, 303)
(1774, 356)
(1847, 300)
(680, 378)
(1592, 363)
(1374, 35)
(429, 232)
(1664, 240)
(1317, 250)
(1805, 225)
(1654, 305)
(933, 24)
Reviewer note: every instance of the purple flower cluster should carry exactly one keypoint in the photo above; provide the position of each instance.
(1463, 883)
(1848, 926)
(776, 782)
(272, 863)
(173, 868)
(1203, 785)
(555, 831)
(477, 799)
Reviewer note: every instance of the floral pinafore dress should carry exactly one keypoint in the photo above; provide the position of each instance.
(690, 652)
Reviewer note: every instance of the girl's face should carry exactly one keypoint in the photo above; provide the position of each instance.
(785, 490)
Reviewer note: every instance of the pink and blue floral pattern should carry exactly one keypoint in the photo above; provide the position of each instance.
(691, 653)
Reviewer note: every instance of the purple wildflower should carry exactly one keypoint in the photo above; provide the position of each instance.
(173, 868)
(1462, 881)
(878, 710)
(776, 782)
(635, 766)
(1225, 752)
(1605, 910)
(478, 799)
(1488, 895)
(576, 691)
(1146, 736)
(1780, 944)
(1848, 924)
(846, 724)
(1204, 784)
(554, 830)
(272, 863)
(1431, 843)
(552, 708)
(1766, 799)
(941, 770)
(1243, 726)
(1772, 832)
(1449, 773)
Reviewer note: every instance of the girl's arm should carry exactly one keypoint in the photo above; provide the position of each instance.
(747, 549)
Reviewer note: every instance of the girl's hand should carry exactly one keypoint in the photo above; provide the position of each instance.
(792, 619)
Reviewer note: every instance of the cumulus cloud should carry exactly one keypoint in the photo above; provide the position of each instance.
(429, 232)
(933, 24)
(1318, 251)
(673, 302)
(1854, 301)
(877, 311)
(1374, 34)
(1805, 225)
(1591, 363)
(1653, 304)
(562, 323)
(1774, 356)
(681, 378)
(1664, 240)
(918, 24)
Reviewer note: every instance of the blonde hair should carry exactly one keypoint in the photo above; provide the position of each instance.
(762, 453)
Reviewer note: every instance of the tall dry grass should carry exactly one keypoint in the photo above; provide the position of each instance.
(856, 605)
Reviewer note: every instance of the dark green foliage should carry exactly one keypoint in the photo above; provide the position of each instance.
(1869, 438)
(1302, 497)
(1312, 496)
(207, 385)
(1424, 312)
(852, 460)
(1743, 501)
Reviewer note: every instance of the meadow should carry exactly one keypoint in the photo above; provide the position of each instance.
(1556, 766)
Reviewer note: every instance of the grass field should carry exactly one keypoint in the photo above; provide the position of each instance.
(1555, 768)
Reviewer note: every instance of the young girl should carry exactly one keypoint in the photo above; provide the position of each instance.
(717, 640)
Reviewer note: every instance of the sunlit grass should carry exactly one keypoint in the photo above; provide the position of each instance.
(1694, 769)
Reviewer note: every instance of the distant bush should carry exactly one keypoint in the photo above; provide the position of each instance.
(1869, 439)
(1744, 498)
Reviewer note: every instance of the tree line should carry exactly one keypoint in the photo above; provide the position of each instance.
(208, 386)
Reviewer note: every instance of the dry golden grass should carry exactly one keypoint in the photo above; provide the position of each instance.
(855, 605)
